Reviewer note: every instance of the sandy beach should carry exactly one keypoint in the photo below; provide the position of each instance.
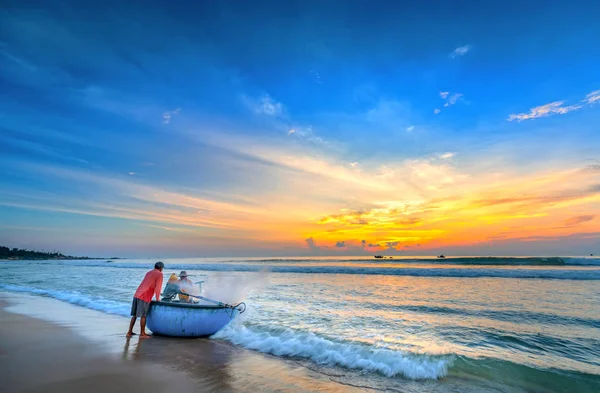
(70, 349)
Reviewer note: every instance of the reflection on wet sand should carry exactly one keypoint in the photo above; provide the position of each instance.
(220, 367)
(205, 361)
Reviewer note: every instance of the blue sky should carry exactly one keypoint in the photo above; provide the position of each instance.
(242, 128)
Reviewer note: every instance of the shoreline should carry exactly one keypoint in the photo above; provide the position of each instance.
(85, 350)
(39, 356)
(61, 259)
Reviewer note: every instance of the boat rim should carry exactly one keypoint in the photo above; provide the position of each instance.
(189, 305)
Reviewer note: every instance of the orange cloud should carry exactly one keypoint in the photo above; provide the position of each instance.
(579, 220)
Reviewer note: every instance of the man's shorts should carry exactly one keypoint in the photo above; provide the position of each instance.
(139, 308)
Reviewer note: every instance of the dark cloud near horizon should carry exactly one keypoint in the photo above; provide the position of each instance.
(312, 244)
(392, 245)
(579, 220)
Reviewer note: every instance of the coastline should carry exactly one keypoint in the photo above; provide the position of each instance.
(64, 355)
(39, 356)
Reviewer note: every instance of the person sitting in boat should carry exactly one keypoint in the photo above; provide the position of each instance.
(185, 286)
(171, 289)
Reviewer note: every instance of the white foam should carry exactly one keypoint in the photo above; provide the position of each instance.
(94, 303)
(286, 342)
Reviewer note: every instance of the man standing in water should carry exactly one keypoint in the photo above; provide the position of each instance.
(151, 285)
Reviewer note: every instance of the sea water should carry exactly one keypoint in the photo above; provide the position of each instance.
(410, 324)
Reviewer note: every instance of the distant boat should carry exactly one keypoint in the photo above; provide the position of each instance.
(190, 320)
(378, 256)
(441, 256)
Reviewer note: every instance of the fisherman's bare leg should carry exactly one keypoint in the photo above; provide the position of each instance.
(143, 328)
(132, 324)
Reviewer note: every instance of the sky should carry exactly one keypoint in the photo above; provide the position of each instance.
(270, 128)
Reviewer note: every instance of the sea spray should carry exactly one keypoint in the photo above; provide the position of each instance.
(190, 287)
(233, 289)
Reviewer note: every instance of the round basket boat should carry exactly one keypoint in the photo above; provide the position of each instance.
(190, 320)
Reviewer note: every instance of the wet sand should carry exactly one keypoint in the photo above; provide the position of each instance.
(64, 348)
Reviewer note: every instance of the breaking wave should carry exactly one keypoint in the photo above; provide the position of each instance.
(323, 351)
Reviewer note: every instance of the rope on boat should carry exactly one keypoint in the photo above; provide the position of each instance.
(241, 307)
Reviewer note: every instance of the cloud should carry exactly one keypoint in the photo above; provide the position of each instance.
(592, 97)
(131, 173)
(340, 244)
(307, 134)
(447, 156)
(348, 218)
(353, 164)
(371, 245)
(312, 244)
(410, 128)
(392, 245)
(410, 221)
(449, 98)
(532, 204)
(363, 243)
(167, 116)
(579, 220)
(268, 106)
(460, 51)
(282, 121)
(556, 108)
(263, 105)
(316, 75)
(453, 99)
(550, 109)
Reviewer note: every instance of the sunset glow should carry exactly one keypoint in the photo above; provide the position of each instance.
(304, 148)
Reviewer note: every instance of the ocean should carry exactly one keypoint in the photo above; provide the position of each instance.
(403, 324)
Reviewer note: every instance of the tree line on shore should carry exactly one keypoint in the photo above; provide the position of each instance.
(19, 253)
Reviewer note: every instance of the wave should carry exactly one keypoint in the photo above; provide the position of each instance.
(513, 316)
(285, 342)
(91, 302)
(453, 272)
(582, 261)
(323, 351)
(521, 377)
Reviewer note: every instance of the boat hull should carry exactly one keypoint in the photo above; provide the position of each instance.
(188, 320)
